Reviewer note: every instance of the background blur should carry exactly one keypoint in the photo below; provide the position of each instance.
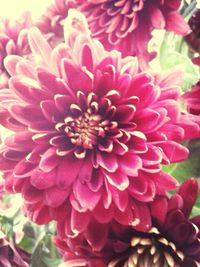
(13, 8)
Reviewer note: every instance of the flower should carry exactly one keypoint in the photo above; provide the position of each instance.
(173, 240)
(192, 99)
(52, 22)
(12, 256)
(90, 132)
(127, 25)
(193, 39)
(13, 40)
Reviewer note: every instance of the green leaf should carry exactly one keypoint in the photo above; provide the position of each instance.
(184, 170)
(173, 53)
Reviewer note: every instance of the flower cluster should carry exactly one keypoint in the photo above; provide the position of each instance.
(172, 241)
(127, 25)
(92, 127)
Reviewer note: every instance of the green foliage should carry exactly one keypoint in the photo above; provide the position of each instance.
(184, 170)
(173, 54)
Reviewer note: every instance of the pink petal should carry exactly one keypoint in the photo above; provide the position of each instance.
(49, 160)
(118, 179)
(96, 235)
(174, 152)
(189, 192)
(79, 221)
(55, 197)
(176, 23)
(43, 180)
(39, 45)
(23, 169)
(159, 209)
(164, 182)
(129, 164)
(68, 171)
(85, 196)
(157, 18)
(107, 161)
(10, 63)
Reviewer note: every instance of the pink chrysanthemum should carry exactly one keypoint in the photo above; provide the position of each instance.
(127, 25)
(90, 132)
(52, 22)
(173, 241)
(13, 41)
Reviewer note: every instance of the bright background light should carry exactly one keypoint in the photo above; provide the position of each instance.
(13, 8)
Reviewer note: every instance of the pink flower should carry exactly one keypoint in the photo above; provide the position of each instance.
(90, 132)
(172, 241)
(52, 21)
(13, 40)
(127, 25)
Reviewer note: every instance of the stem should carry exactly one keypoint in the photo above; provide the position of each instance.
(190, 9)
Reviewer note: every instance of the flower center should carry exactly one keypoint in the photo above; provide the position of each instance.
(86, 129)
(150, 250)
(89, 125)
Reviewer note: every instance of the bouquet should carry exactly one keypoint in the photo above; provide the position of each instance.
(100, 135)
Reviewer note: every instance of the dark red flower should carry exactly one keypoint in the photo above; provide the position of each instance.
(90, 132)
(173, 241)
(127, 25)
(191, 98)
(193, 38)
(11, 255)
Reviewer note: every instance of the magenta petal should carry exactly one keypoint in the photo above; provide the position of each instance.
(49, 110)
(30, 193)
(68, 171)
(174, 152)
(97, 235)
(142, 189)
(23, 169)
(144, 216)
(107, 161)
(120, 198)
(85, 196)
(164, 182)
(118, 179)
(79, 221)
(49, 160)
(103, 215)
(157, 18)
(87, 57)
(55, 197)
(130, 164)
(69, 71)
(189, 192)
(43, 180)
(176, 23)
(159, 209)
(39, 215)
